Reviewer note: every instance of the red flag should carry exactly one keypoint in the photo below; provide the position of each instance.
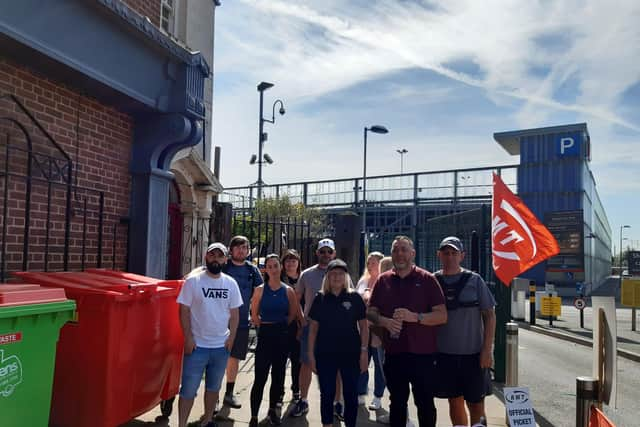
(518, 240)
(599, 419)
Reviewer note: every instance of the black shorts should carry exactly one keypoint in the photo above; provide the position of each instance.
(240, 344)
(461, 375)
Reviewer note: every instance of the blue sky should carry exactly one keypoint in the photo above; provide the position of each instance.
(442, 76)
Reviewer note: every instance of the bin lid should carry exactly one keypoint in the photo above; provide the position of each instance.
(24, 294)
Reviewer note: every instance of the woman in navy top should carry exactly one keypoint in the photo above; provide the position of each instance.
(273, 307)
(338, 341)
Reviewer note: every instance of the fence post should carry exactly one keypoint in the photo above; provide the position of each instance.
(586, 395)
(511, 379)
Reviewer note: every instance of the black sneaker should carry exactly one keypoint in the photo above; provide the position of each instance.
(296, 397)
(301, 408)
(273, 417)
(338, 411)
(231, 401)
(253, 422)
(211, 424)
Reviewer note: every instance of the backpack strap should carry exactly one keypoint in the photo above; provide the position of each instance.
(452, 291)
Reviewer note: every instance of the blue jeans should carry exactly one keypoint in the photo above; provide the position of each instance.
(328, 367)
(377, 353)
(212, 361)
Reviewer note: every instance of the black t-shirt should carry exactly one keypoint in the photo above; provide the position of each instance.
(337, 318)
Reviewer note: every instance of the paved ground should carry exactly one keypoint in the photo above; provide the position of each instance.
(240, 417)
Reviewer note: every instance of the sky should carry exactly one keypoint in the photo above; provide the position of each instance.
(441, 76)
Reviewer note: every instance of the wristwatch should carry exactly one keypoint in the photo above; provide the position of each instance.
(364, 349)
(420, 317)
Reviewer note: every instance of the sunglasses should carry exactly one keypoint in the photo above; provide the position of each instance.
(325, 251)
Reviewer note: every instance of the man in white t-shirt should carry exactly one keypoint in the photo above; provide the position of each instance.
(209, 302)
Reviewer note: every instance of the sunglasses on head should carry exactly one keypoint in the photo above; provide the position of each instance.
(326, 251)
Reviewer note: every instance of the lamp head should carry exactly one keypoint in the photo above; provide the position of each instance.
(264, 86)
(378, 129)
(281, 111)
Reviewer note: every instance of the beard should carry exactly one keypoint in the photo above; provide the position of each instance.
(214, 267)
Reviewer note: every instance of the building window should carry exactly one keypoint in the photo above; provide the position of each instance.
(167, 16)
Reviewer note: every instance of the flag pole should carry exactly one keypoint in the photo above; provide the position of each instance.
(503, 316)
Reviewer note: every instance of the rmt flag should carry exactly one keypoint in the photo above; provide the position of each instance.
(518, 240)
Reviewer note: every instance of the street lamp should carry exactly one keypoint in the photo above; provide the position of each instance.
(260, 159)
(402, 152)
(622, 227)
(363, 244)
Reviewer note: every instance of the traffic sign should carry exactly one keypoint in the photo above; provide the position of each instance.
(551, 306)
(579, 303)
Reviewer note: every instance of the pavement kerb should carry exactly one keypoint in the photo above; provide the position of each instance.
(630, 355)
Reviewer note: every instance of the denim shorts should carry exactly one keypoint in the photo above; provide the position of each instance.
(211, 361)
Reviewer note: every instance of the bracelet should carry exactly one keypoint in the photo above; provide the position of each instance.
(364, 349)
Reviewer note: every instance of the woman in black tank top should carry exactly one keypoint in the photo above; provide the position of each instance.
(273, 307)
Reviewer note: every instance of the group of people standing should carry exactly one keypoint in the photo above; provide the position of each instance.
(429, 334)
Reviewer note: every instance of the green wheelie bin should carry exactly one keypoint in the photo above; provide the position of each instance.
(30, 320)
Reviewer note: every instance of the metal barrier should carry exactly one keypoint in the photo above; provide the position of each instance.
(512, 355)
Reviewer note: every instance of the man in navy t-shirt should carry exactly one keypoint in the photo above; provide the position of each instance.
(248, 277)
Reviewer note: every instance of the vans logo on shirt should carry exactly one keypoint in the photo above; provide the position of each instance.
(215, 293)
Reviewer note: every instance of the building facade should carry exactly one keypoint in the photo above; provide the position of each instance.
(105, 116)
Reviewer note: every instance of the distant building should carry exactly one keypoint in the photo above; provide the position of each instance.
(556, 183)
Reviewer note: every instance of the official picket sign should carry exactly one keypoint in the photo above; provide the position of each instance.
(519, 409)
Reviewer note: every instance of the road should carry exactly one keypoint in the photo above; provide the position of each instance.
(549, 367)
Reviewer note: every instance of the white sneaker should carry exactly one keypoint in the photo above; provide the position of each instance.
(375, 404)
(362, 399)
(410, 423)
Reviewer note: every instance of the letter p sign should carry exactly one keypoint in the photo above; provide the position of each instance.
(568, 145)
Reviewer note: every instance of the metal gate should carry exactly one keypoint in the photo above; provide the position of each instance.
(48, 223)
(275, 235)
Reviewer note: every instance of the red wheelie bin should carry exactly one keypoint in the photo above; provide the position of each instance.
(124, 354)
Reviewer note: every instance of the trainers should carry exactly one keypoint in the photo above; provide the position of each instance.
(376, 403)
(231, 401)
(296, 397)
(273, 417)
(362, 399)
(410, 423)
(301, 408)
(338, 411)
(383, 419)
(253, 422)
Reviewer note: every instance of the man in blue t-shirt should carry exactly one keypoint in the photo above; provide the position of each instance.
(248, 277)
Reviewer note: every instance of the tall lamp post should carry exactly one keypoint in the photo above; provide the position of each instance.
(402, 152)
(363, 242)
(260, 159)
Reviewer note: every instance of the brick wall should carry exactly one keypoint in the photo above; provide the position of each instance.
(148, 8)
(98, 140)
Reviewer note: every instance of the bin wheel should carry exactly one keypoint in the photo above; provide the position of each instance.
(166, 407)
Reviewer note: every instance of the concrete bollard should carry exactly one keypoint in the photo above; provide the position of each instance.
(586, 395)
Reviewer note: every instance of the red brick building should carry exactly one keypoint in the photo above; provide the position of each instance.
(97, 98)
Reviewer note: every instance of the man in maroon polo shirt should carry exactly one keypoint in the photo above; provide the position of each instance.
(408, 302)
